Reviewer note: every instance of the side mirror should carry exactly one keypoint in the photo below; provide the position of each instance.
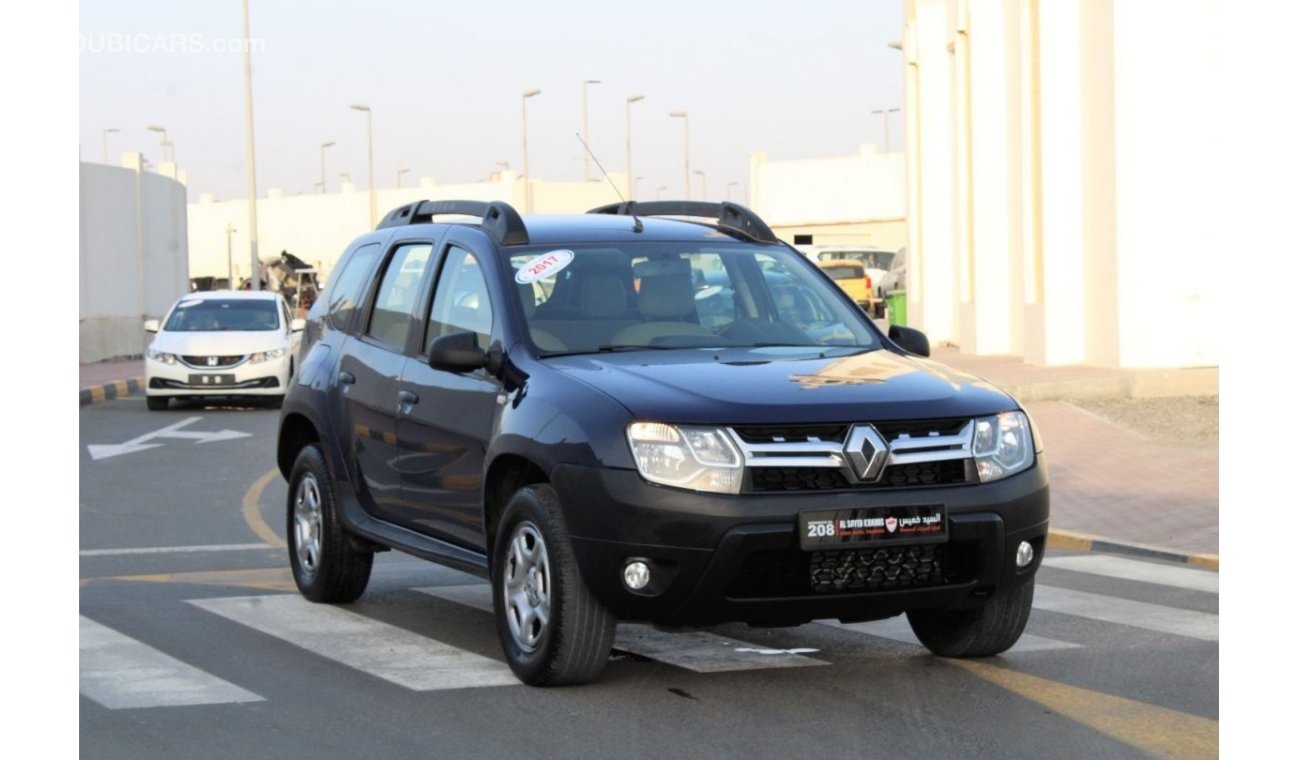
(910, 340)
(151, 325)
(298, 324)
(457, 352)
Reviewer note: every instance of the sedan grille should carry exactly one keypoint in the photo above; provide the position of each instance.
(206, 362)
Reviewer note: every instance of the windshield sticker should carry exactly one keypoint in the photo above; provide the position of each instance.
(541, 267)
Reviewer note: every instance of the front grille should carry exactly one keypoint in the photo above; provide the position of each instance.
(790, 572)
(791, 433)
(201, 362)
(918, 474)
(920, 428)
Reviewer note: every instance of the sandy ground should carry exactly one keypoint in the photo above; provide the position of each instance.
(1186, 420)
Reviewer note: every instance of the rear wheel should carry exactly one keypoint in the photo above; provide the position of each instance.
(156, 403)
(326, 566)
(983, 632)
(553, 631)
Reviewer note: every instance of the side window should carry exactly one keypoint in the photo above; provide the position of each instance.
(461, 301)
(390, 320)
(284, 314)
(346, 287)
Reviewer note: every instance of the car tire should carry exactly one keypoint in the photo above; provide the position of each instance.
(988, 630)
(553, 631)
(326, 566)
(275, 402)
(156, 403)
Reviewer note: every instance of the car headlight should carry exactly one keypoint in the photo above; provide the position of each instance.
(265, 356)
(162, 356)
(698, 458)
(1003, 445)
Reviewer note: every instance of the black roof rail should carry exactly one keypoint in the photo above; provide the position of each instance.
(500, 220)
(729, 215)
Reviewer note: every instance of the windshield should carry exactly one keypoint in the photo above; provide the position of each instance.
(608, 297)
(868, 259)
(213, 315)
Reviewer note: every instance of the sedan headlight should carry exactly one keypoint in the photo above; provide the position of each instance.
(1003, 445)
(265, 356)
(698, 458)
(162, 356)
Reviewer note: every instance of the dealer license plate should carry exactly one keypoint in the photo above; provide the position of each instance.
(848, 528)
(202, 380)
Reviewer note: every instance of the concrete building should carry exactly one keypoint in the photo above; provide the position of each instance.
(1054, 207)
(316, 228)
(134, 256)
(858, 200)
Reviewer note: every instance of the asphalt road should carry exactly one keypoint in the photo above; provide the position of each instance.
(195, 644)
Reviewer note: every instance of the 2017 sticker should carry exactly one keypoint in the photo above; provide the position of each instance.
(543, 266)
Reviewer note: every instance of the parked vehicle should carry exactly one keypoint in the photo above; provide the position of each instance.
(896, 277)
(853, 280)
(222, 343)
(621, 416)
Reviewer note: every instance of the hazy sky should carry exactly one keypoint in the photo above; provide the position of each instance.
(445, 79)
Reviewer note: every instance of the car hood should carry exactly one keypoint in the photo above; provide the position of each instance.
(783, 385)
(223, 343)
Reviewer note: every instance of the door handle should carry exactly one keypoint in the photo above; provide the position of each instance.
(407, 397)
(347, 378)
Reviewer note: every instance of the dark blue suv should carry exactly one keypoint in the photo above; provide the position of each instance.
(654, 412)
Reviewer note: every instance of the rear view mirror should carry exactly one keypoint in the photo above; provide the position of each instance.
(151, 325)
(457, 352)
(910, 340)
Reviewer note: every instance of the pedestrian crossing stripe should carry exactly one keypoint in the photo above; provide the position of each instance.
(119, 672)
(898, 629)
(1123, 568)
(1110, 609)
(698, 651)
(385, 651)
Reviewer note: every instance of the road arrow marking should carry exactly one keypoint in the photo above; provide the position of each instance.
(141, 443)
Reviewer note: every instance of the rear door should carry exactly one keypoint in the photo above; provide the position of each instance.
(446, 428)
(370, 367)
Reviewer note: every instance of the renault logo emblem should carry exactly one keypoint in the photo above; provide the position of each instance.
(867, 453)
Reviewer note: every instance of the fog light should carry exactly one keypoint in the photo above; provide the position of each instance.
(1024, 554)
(636, 575)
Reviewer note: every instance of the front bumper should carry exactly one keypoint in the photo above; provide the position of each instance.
(717, 558)
(268, 378)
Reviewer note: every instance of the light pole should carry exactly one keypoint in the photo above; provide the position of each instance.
(230, 259)
(103, 141)
(165, 144)
(729, 186)
(324, 144)
(586, 154)
(686, 148)
(528, 178)
(254, 277)
(400, 172)
(704, 188)
(884, 119)
(630, 100)
(659, 192)
(370, 159)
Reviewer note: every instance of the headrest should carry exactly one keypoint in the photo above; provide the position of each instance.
(602, 296)
(662, 267)
(668, 297)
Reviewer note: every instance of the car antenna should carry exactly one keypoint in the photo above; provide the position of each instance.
(636, 222)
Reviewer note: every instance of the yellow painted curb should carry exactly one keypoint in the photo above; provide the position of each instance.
(253, 513)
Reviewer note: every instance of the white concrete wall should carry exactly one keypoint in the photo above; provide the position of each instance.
(134, 255)
(1054, 210)
(819, 191)
(317, 228)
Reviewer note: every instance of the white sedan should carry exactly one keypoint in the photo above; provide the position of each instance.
(222, 343)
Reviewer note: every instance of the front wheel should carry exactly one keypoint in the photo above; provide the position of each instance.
(326, 566)
(552, 630)
(982, 632)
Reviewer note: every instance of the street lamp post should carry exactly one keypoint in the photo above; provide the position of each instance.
(400, 172)
(586, 155)
(884, 120)
(730, 185)
(103, 141)
(230, 258)
(324, 144)
(686, 148)
(528, 178)
(254, 277)
(370, 159)
(165, 144)
(630, 100)
(704, 188)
